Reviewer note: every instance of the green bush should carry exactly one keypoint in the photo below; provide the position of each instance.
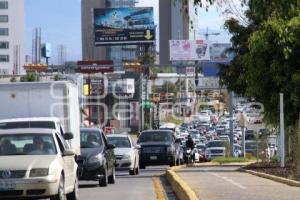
(30, 77)
(223, 160)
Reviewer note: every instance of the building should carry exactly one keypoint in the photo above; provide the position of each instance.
(91, 52)
(178, 21)
(12, 37)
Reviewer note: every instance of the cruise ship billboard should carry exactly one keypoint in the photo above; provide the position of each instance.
(117, 26)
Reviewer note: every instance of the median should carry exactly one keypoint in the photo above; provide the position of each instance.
(179, 186)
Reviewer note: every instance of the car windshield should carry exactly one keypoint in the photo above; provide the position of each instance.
(119, 142)
(216, 144)
(27, 124)
(90, 139)
(250, 145)
(250, 137)
(27, 144)
(155, 137)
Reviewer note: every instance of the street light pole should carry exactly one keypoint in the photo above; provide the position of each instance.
(282, 139)
(231, 123)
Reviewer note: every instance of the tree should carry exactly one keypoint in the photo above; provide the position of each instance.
(169, 87)
(260, 68)
(267, 59)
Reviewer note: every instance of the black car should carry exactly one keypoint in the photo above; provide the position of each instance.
(158, 147)
(97, 160)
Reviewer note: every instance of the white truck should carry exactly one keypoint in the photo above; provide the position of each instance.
(34, 104)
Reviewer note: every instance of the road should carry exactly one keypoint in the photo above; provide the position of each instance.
(226, 183)
(126, 187)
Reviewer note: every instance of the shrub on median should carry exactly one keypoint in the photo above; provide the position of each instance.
(223, 160)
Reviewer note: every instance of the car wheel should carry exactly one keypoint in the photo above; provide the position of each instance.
(142, 166)
(74, 195)
(137, 170)
(103, 182)
(112, 177)
(61, 190)
(132, 172)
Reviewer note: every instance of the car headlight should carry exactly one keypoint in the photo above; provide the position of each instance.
(39, 172)
(127, 156)
(170, 149)
(95, 159)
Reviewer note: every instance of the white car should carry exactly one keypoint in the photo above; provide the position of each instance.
(215, 148)
(127, 155)
(37, 163)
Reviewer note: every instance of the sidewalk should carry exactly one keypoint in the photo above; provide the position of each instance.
(226, 183)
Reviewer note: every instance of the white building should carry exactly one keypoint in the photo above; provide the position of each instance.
(12, 36)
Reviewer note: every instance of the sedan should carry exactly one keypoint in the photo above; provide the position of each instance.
(97, 160)
(37, 163)
(127, 155)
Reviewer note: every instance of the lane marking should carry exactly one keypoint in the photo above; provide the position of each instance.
(229, 180)
(158, 188)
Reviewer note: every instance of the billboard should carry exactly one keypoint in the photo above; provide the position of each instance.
(90, 67)
(187, 50)
(115, 26)
(47, 50)
(219, 53)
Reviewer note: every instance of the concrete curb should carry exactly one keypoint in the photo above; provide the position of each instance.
(179, 186)
(158, 188)
(273, 178)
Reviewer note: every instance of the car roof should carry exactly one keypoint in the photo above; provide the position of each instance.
(168, 125)
(158, 131)
(30, 119)
(118, 135)
(28, 130)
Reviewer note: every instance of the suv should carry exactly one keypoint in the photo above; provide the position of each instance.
(158, 147)
(97, 160)
(215, 148)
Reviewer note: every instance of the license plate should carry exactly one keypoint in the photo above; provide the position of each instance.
(5, 186)
(153, 157)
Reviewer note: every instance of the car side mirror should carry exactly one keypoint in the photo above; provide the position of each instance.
(68, 152)
(68, 136)
(138, 146)
(111, 146)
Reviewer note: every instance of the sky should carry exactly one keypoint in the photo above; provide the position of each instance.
(60, 21)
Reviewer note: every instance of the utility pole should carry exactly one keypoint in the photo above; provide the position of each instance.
(231, 123)
(282, 139)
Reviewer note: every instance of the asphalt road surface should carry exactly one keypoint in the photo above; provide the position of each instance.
(126, 187)
(215, 183)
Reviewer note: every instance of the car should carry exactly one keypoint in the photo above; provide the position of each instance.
(215, 148)
(126, 153)
(201, 152)
(97, 160)
(158, 147)
(237, 150)
(37, 163)
(225, 138)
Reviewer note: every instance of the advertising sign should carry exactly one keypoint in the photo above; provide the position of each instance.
(187, 50)
(219, 53)
(190, 71)
(90, 67)
(125, 86)
(47, 50)
(134, 110)
(115, 26)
